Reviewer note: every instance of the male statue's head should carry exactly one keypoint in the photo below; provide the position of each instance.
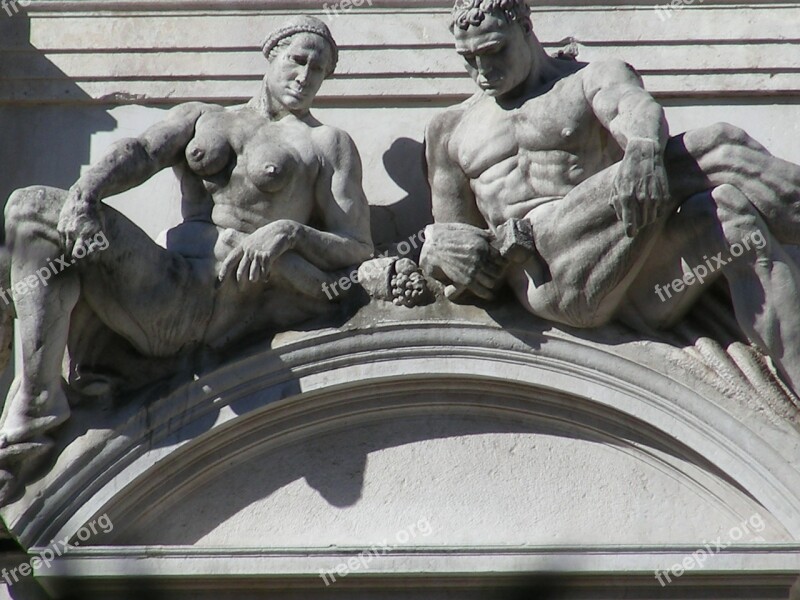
(300, 56)
(495, 38)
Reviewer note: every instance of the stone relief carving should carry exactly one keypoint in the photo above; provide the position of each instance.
(272, 206)
(557, 179)
(560, 179)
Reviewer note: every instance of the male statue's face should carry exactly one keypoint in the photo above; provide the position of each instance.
(296, 73)
(497, 55)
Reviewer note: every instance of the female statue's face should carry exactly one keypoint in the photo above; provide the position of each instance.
(296, 72)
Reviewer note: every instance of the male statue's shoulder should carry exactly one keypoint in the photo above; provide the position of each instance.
(441, 126)
(610, 69)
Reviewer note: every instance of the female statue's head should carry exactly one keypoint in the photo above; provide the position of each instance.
(300, 55)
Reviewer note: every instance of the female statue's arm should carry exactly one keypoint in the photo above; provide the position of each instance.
(129, 163)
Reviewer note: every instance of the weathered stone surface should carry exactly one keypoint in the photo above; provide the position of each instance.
(528, 447)
(620, 218)
(328, 440)
(246, 259)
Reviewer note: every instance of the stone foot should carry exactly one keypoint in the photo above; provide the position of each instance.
(28, 417)
(19, 464)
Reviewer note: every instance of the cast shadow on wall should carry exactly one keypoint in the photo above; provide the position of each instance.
(46, 119)
(42, 142)
(335, 464)
(404, 161)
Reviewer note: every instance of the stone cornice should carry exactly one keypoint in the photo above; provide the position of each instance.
(316, 5)
(103, 52)
(435, 567)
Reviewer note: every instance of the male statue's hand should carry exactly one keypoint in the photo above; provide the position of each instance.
(461, 255)
(640, 192)
(253, 258)
(80, 221)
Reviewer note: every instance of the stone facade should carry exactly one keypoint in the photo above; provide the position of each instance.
(441, 451)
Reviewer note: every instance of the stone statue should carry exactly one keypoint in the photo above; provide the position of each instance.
(560, 179)
(272, 206)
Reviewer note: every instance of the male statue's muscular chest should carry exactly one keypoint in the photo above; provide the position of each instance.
(549, 137)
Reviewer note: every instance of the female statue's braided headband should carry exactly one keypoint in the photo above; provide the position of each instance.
(306, 25)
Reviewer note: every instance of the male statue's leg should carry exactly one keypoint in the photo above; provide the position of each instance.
(586, 261)
(706, 158)
(689, 238)
(764, 281)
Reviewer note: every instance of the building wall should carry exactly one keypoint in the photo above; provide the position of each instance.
(77, 75)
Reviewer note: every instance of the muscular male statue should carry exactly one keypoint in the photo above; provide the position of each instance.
(580, 155)
(272, 206)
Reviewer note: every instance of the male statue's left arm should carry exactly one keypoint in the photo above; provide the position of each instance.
(637, 122)
(343, 210)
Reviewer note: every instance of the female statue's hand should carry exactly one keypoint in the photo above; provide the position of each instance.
(80, 221)
(252, 260)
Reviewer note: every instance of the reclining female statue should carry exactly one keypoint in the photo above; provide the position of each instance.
(272, 206)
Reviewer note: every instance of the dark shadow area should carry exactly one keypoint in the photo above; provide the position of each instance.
(40, 143)
(404, 162)
(335, 465)
(139, 589)
(539, 586)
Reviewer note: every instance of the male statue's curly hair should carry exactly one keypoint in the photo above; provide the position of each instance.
(472, 12)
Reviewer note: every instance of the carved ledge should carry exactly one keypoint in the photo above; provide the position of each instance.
(127, 61)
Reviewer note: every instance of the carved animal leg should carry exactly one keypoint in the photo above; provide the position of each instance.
(764, 283)
(723, 154)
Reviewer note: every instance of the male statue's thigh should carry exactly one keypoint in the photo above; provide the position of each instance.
(587, 258)
(689, 238)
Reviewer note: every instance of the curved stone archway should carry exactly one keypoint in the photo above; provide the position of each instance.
(330, 441)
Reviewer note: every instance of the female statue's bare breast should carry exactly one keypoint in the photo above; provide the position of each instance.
(255, 171)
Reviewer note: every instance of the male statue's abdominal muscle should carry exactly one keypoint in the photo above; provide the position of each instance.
(537, 154)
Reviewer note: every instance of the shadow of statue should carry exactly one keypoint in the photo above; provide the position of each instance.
(404, 162)
(43, 141)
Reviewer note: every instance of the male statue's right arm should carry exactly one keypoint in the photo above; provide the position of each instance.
(457, 248)
(640, 190)
(129, 163)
